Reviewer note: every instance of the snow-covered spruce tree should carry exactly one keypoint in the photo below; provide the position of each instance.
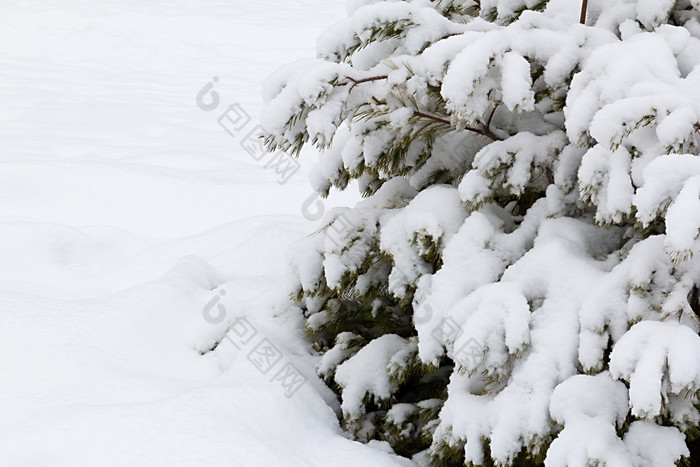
(519, 285)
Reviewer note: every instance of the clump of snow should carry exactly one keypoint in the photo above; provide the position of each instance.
(431, 218)
(591, 409)
(653, 357)
(366, 373)
(651, 444)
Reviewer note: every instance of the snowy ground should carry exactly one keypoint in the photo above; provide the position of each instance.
(122, 207)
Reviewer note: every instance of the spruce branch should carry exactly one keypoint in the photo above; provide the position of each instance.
(485, 127)
(483, 131)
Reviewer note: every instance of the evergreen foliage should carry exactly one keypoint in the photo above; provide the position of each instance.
(519, 285)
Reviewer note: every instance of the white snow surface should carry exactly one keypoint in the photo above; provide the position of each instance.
(125, 211)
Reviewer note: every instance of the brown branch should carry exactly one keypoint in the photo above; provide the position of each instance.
(432, 117)
(490, 135)
(584, 7)
(488, 122)
(355, 82)
(481, 131)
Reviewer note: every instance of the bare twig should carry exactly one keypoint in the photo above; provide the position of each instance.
(488, 122)
(484, 131)
(355, 82)
(584, 7)
(431, 117)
